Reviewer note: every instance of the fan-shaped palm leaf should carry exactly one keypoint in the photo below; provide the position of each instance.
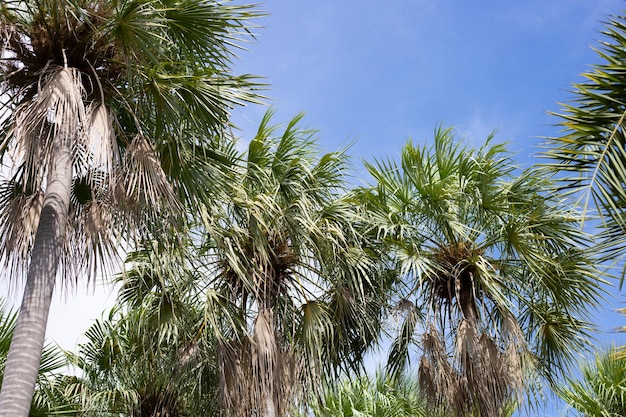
(601, 389)
(590, 154)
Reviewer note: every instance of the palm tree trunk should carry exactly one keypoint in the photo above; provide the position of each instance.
(24, 355)
(467, 301)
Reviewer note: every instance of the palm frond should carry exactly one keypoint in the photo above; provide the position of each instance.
(599, 391)
(590, 152)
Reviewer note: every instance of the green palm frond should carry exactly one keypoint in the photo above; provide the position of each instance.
(600, 391)
(590, 153)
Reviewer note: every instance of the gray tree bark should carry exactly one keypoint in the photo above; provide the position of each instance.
(24, 355)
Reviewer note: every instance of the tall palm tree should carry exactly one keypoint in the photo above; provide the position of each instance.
(590, 154)
(109, 110)
(495, 275)
(286, 262)
(600, 391)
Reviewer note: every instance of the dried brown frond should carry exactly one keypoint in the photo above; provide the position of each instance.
(142, 187)
(257, 375)
(467, 344)
(20, 213)
(92, 243)
(102, 144)
(57, 111)
(482, 375)
(444, 386)
(55, 115)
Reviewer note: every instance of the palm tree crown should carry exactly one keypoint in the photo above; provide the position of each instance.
(493, 271)
(138, 89)
(286, 256)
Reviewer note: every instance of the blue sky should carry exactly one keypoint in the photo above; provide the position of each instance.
(381, 72)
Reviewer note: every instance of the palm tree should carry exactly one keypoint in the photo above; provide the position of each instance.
(590, 153)
(495, 275)
(108, 116)
(287, 268)
(49, 398)
(601, 389)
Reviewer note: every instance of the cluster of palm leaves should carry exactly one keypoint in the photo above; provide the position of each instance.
(148, 358)
(601, 389)
(255, 278)
(377, 396)
(291, 276)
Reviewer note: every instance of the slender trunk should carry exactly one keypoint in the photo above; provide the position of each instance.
(467, 302)
(24, 356)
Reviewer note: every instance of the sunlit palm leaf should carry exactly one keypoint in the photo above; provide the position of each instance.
(376, 396)
(600, 390)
